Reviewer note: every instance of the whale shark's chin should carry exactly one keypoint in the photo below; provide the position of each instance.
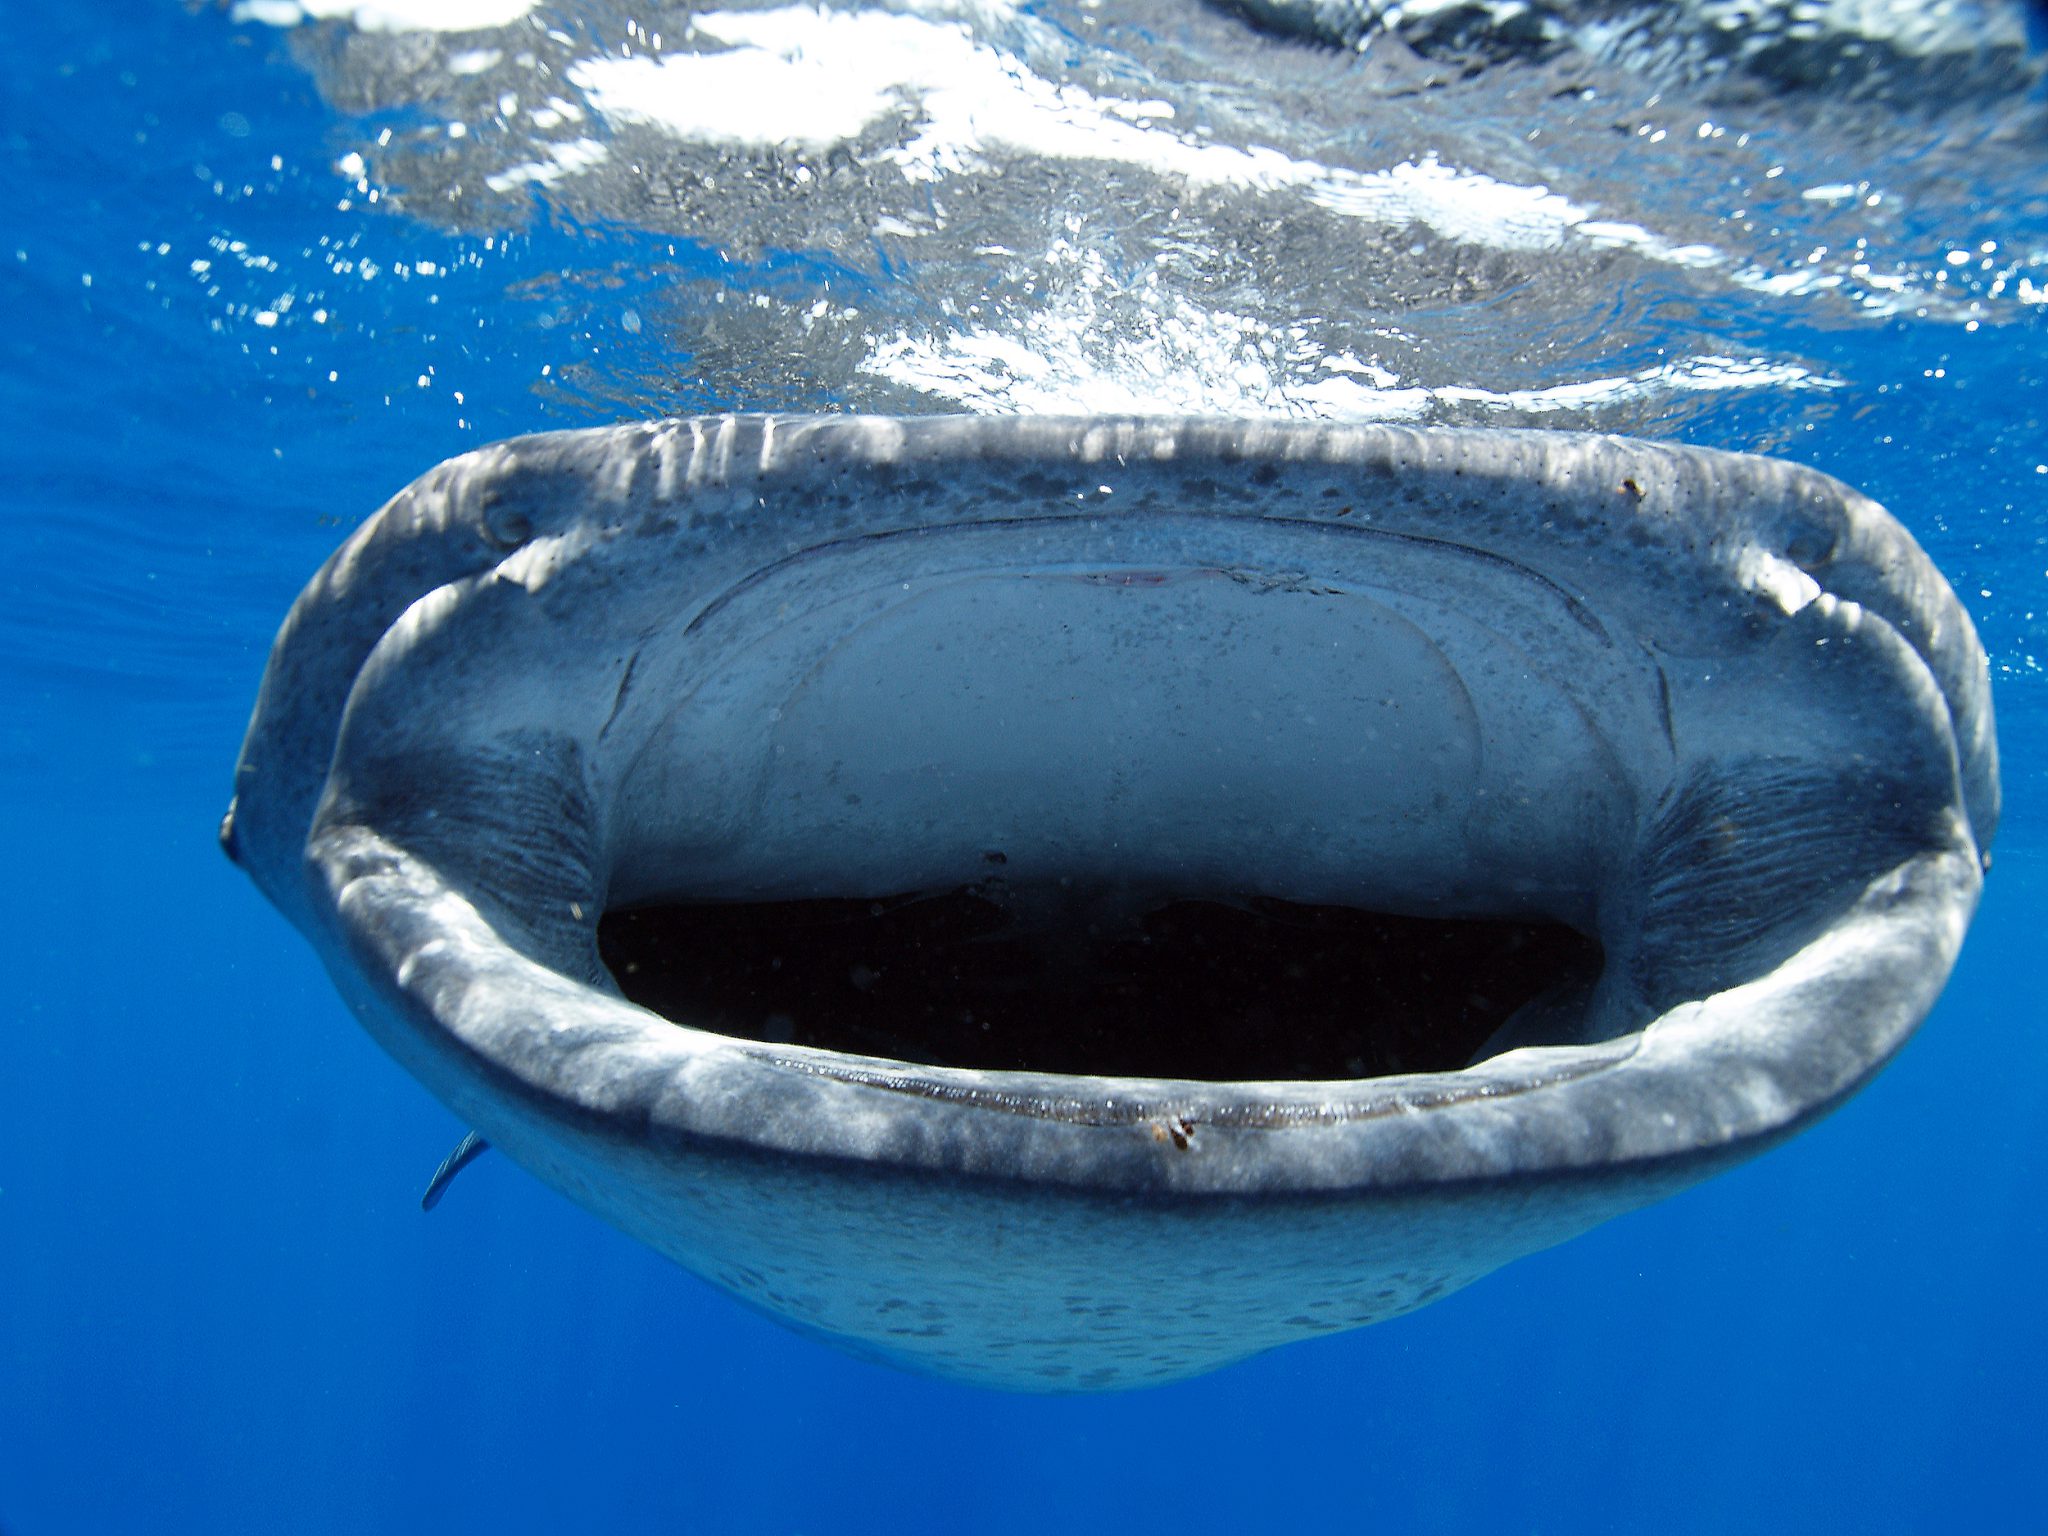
(1070, 903)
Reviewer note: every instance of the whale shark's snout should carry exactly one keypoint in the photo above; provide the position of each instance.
(1068, 903)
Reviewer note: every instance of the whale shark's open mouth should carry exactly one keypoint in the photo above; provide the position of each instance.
(1126, 804)
(926, 874)
(1224, 988)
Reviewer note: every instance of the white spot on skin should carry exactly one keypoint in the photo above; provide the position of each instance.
(1777, 579)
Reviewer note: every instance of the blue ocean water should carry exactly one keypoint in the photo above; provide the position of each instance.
(220, 1307)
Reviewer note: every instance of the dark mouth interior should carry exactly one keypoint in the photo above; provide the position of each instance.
(1092, 982)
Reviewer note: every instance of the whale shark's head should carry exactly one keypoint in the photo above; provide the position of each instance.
(1071, 902)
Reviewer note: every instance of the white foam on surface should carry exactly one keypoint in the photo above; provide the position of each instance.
(1134, 347)
(798, 97)
(811, 77)
(982, 372)
(808, 78)
(388, 15)
(559, 160)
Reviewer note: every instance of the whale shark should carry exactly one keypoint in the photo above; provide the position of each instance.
(1066, 903)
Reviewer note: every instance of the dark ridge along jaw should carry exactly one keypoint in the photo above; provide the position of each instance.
(820, 845)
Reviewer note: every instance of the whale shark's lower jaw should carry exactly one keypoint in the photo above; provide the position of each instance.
(1070, 903)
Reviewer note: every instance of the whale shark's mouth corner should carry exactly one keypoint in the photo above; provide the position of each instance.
(1140, 810)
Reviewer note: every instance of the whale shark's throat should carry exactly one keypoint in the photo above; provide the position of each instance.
(1086, 981)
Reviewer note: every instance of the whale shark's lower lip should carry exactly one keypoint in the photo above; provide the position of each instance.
(1070, 903)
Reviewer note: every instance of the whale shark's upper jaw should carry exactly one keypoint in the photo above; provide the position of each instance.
(1163, 808)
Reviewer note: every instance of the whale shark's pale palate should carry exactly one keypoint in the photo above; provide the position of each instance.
(1068, 903)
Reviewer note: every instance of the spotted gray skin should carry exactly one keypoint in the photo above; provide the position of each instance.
(1718, 710)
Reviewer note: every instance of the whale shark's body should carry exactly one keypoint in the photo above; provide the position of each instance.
(1548, 821)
